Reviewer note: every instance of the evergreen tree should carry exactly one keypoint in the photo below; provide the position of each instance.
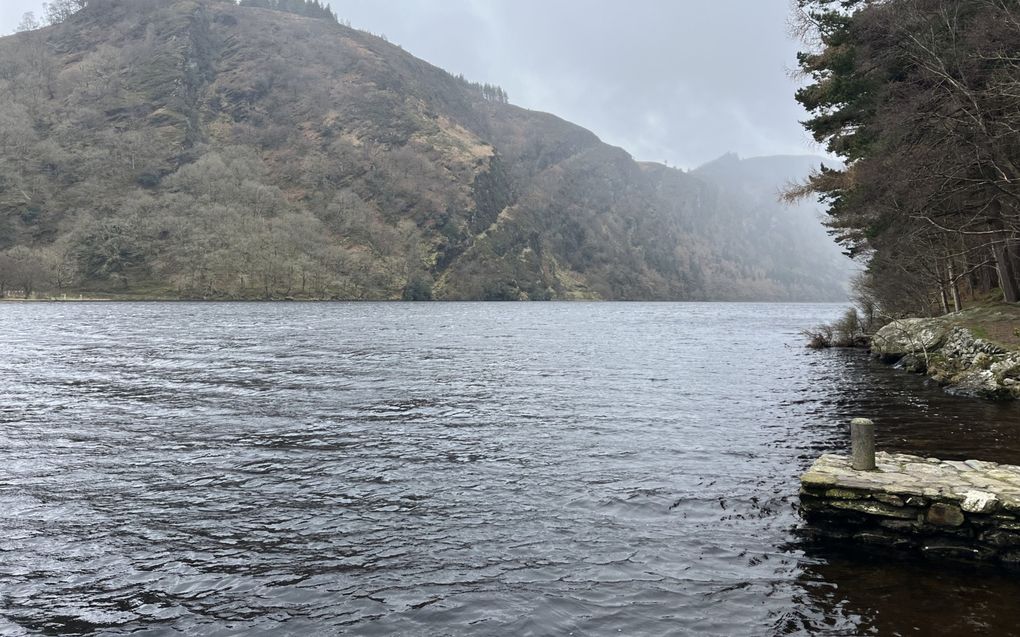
(914, 96)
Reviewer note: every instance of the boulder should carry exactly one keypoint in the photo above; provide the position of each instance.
(916, 336)
(914, 363)
(952, 355)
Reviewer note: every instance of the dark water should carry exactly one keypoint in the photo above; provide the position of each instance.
(454, 469)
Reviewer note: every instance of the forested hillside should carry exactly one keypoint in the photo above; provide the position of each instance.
(922, 100)
(201, 149)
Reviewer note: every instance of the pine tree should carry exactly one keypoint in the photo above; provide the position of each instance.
(914, 96)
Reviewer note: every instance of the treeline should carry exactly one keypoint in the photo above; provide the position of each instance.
(54, 12)
(306, 8)
(58, 11)
(490, 92)
(921, 99)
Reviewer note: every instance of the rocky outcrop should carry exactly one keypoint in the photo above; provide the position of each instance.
(965, 510)
(908, 336)
(971, 365)
(952, 355)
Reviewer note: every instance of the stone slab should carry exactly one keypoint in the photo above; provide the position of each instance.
(975, 486)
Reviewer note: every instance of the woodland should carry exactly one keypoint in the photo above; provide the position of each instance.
(921, 100)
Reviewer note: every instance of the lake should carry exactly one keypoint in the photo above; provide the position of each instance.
(456, 469)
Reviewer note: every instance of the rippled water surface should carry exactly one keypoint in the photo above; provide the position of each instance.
(454, 469)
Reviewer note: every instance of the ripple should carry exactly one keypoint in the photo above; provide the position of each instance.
(453, 469)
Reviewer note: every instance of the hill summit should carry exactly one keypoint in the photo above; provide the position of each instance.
(201, 149)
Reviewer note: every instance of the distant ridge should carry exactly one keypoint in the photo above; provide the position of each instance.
(199, 149)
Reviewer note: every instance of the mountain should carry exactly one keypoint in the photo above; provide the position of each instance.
(200, 149)
(786, 243)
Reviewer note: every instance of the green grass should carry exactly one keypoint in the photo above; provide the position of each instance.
(993, 321)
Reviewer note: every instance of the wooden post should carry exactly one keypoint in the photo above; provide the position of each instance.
(862, 444)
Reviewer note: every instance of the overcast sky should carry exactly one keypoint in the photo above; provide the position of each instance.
(682, 81)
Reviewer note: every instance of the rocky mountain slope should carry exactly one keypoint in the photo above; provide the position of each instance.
(199, 149)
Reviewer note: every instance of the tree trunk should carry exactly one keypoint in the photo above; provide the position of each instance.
(1009, 276)
(954, 285)
(943, 294)
(1006, 262)
(987, 281)
(1013, 254)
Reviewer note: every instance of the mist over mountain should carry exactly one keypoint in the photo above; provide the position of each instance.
(785, 241)
(199, 149)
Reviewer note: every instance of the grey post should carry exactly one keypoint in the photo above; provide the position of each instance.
(862, 444)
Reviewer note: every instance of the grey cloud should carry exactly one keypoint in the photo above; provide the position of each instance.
(682, 81)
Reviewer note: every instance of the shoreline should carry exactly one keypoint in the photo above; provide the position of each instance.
(296, 300)
(971, 353)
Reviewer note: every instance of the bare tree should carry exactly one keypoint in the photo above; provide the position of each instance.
(29, 23)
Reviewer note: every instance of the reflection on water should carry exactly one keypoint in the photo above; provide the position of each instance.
(453, 469)
(892, 595)
(914, 416)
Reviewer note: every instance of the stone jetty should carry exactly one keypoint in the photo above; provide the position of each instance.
(964, 510)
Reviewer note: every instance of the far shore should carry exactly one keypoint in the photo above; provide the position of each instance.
(155, 299)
